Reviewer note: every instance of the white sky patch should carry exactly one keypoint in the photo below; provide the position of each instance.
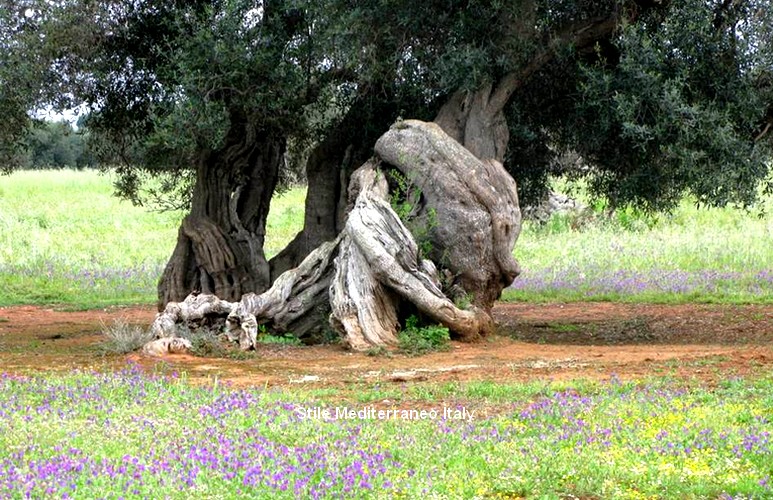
(252, 18)
(71, 116)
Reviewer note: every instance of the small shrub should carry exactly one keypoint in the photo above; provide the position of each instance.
(403, 198)
(327, 336)
(416, 340)
(406, 201)
(204, 343)
(122, 338)
(377, 351)
(284, 339)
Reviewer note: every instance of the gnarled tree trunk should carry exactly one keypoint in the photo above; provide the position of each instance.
(220, 243)
(365, 276)
(328, 169)
(472, 204)
(382, 267)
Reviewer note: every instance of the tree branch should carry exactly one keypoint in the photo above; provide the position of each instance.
(764, 131)
(580, 35)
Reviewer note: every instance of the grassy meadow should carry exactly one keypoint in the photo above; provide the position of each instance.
(137, 435)
(64, 239)
(690, 255)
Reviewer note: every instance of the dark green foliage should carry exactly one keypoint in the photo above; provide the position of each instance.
(166, 81)
(416, 340)
(15, 98)
(673, 103)
(283, 339)
(677, 113)
(677, 98)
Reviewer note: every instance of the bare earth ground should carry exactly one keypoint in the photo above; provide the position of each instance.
(535, 341)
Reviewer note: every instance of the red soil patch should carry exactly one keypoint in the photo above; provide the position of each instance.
(535, 341)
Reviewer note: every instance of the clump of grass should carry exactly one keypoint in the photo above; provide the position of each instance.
(122, 337)
(416, 340)
(377, 351)
(688, 255)
(283, 339)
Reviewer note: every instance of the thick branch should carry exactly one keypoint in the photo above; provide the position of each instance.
(764, 132)
(194, 309)
(580, 35)
(289, 305)
(476, 119)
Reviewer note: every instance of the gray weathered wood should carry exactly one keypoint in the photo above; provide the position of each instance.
(474, 202)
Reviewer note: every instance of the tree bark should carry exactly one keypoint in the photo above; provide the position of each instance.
(381, 267)
(476, 122)
(327, 173)
(368, 273)
(328, 169)
(473, 205)
(297, 303)
(220, 242)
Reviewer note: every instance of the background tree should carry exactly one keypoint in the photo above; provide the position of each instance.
(57, 145)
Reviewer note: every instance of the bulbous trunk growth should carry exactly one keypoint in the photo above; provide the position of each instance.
(466, 213)
(471, 207)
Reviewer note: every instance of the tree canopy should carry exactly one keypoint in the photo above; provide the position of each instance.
(666, 97)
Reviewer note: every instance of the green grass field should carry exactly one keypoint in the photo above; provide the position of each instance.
(64, 239)
(706, 255)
